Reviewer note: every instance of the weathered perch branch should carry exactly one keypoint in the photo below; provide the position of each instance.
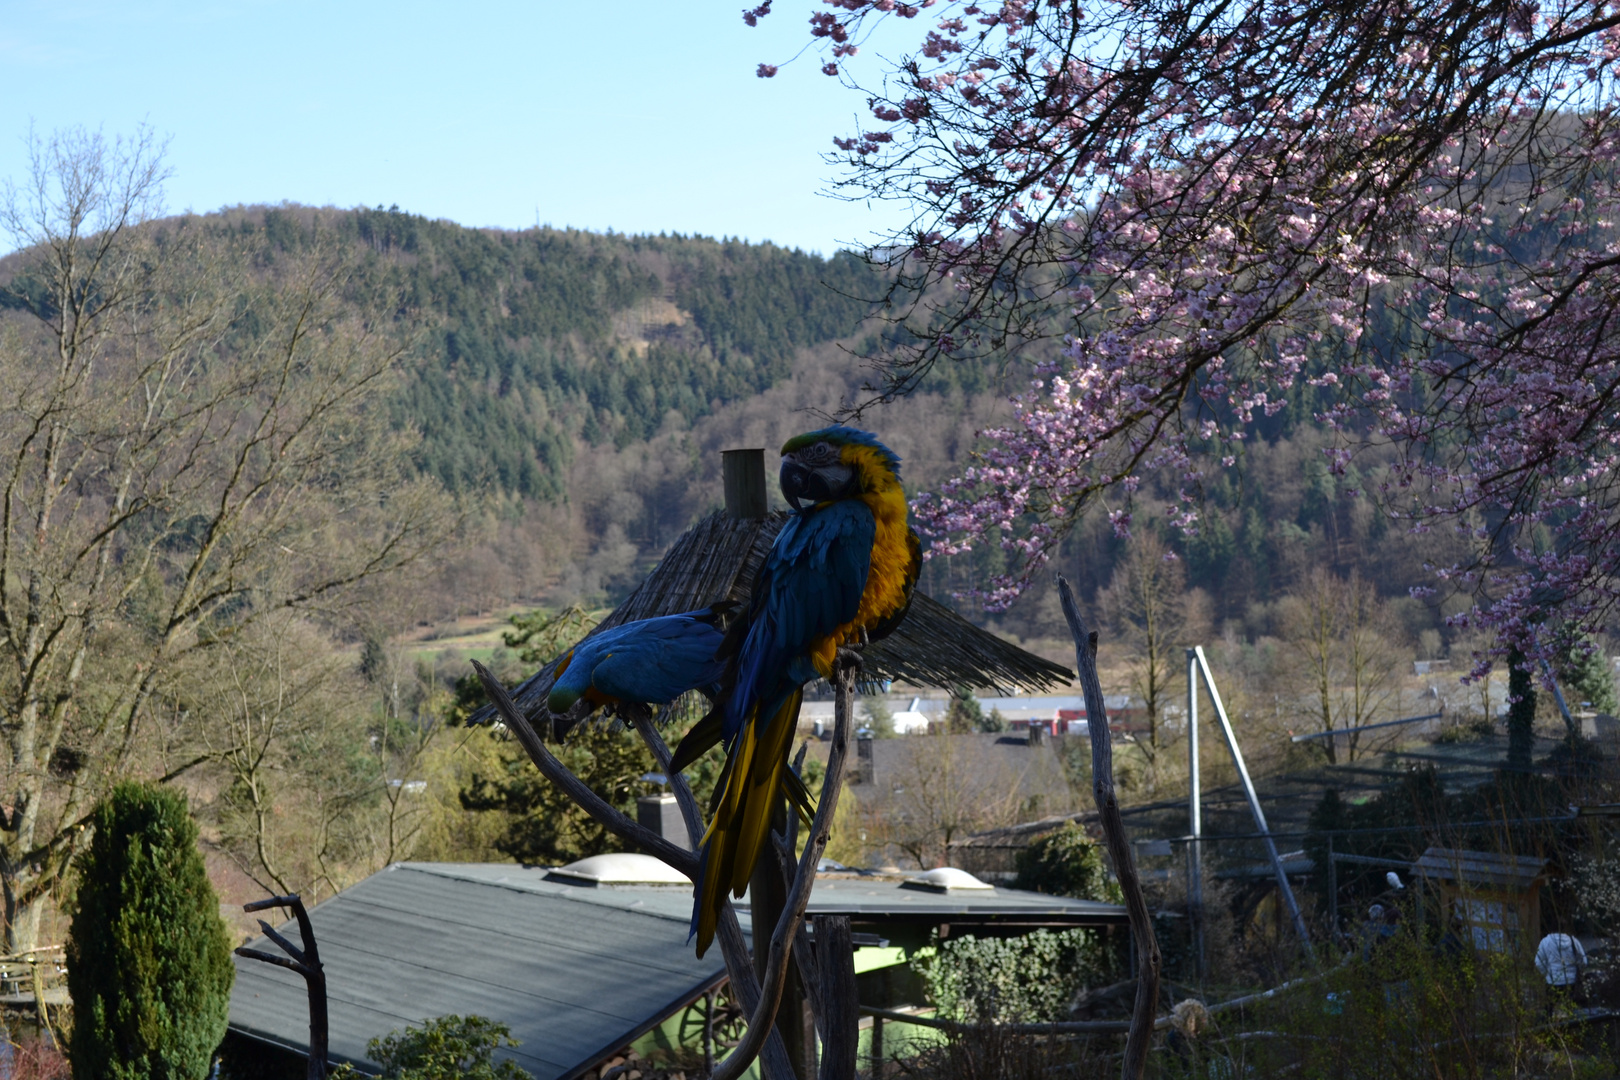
(837, 996)
(733, 946)
(1119, 847)
(762, 1020)
(305, 961)
(576, 789)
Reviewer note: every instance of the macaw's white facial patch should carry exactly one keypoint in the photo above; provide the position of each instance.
(817, 455)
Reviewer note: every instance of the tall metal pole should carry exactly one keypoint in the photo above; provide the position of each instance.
(1195, 821)
(1558, 696)
(1254, 803)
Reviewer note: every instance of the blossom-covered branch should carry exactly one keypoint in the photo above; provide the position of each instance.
(1406, 207)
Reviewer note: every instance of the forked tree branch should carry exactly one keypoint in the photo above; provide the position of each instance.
(728, 932)
(762, 1020)
(1140, 1038)
(733, 946)
(307, 962)
(575, 788)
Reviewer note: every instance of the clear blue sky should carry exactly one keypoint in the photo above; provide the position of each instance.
(639, 116)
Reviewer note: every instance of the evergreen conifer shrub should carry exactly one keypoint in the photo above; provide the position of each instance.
(149, 960)
(1588, 678)
(1067, 862)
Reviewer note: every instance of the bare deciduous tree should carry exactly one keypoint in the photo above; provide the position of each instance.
(1346, 644)
(945, 789)
(1148, 605)
(279, 716)
(189, 441)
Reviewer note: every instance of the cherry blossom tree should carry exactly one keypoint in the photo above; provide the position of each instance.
(1397, 215)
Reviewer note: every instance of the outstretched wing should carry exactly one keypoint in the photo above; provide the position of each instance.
(651, 661)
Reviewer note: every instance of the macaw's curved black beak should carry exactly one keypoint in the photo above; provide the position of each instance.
(795, 480)
(801, 483)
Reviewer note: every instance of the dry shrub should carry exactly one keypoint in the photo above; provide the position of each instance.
(987, 1052)
(1410, 1010)
(1231, 957)
(36, 1059)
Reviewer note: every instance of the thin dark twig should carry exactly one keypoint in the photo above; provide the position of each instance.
(270, 958)
(286, 946)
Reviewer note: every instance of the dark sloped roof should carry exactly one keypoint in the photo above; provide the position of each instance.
(1480, 868)
(576, 971)
(717, 558)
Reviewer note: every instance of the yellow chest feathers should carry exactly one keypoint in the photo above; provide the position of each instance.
(891, 569)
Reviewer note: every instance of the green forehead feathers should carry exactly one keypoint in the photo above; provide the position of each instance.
(839, 435)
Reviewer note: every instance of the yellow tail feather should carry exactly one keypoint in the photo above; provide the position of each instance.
(742, 818)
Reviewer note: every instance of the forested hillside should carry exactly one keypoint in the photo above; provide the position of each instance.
(527, 420)
(574, 391)
(535, 339)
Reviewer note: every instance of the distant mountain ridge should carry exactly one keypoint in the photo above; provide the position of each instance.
(551, 361)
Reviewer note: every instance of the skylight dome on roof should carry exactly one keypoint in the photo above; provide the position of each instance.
(620, 868)
(946, 879)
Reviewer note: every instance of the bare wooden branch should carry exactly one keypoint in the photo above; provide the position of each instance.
(266, 905)
(769, 885)
(305, 961)
(805, 957)
(271, 958)
(728, 932)
(733, 946)
(286, 946)
(1140, 1037)
(761, 1021)
(586, 799)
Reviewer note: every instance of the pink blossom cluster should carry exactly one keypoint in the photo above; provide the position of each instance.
(1407, 205)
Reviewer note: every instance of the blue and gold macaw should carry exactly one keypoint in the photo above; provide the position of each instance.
(842, 570)
(648, 662)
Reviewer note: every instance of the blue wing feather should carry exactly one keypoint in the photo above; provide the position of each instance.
(652, 661)
(811, 584)
(659, 667)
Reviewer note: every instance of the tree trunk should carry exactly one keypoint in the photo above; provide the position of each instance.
(1521, 720)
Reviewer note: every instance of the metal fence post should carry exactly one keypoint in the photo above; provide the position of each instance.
(1195, 821)
(1283, 887)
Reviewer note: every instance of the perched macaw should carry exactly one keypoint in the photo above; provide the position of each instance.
(842, 570)
(648, 662)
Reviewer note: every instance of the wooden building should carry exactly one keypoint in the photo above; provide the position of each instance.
(1495, 900)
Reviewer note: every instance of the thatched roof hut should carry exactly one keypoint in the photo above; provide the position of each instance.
(717, 559)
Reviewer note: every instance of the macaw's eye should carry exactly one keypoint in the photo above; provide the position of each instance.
(822, 453)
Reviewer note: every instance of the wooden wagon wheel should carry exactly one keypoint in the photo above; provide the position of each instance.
(730, 1022)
